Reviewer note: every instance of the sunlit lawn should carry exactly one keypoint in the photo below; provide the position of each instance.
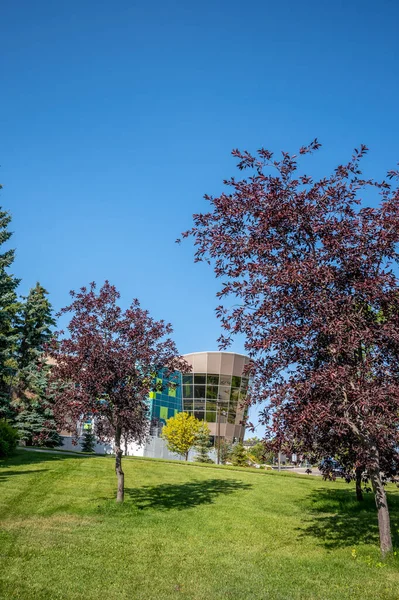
(184, 532)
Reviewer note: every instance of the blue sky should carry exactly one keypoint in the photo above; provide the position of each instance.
(116, 118)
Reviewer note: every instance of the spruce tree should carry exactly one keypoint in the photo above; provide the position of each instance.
(35, 420)
(89, 440)
(225, 451)
(9, 307)
(203, 444)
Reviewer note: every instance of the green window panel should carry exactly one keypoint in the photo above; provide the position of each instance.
(211, 405)
(152, 395)
(211, 392)
(176, 411)
(163, 413)
(234, 395)
(235, 381)
(210, 417)
(187, 391)
(172, 391)
(199, 391)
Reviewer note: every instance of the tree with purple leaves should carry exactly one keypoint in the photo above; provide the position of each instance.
(105, 368)
(309, 275)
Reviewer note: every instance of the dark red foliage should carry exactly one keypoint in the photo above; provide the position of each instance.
(308, 272)
(105, 368)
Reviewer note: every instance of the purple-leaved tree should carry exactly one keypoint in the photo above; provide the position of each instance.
(313, 272)
(105, 367)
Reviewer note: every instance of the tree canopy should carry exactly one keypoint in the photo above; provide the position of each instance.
(309, 277)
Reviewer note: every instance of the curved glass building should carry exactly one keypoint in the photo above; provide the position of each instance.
(214, 392)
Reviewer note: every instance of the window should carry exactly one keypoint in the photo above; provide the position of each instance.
(199, 391)
(212, 392)
(200, 378)
(199, 415)
(212, 379)
(244, 383)
(234, 396)
(210, 416)
(199, 404)
(188, 379)
(224, 394)
(188, 405)
(211, 405)
(235, 381)
(187, 391)
(225, 380)
(172, 390)
(231, 417)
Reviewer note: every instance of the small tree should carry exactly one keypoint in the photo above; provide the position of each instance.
(203, 444)
(225, 451)
(89, 440)
(105, 368)
(239, 456)
(180, 433)
(258, 452)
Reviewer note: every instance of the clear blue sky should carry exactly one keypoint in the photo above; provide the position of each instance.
(117, 117)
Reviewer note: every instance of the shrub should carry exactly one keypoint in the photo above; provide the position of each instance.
(8, 439)
(89, 441)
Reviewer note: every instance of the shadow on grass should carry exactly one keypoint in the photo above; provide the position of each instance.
(31, 457)
(338, 520)
(185, 495)
(4, 475)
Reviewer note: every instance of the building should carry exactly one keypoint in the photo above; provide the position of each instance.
(214, 392)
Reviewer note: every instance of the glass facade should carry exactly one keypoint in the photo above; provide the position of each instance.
(166, 400)
(214, 392)
(205, 393)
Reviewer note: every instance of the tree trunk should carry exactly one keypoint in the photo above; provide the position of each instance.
(359, 491)
(186, 455)
(118, 465)
(381, 502)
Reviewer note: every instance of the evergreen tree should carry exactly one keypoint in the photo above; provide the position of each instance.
(239, 456)
(89, 440)
(35, 420)
(225, 451)
(203, 444)
(8, 309)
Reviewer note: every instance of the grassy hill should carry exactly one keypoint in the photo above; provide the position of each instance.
(185, 532)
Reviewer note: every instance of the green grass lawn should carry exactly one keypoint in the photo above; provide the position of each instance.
(184, 532)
